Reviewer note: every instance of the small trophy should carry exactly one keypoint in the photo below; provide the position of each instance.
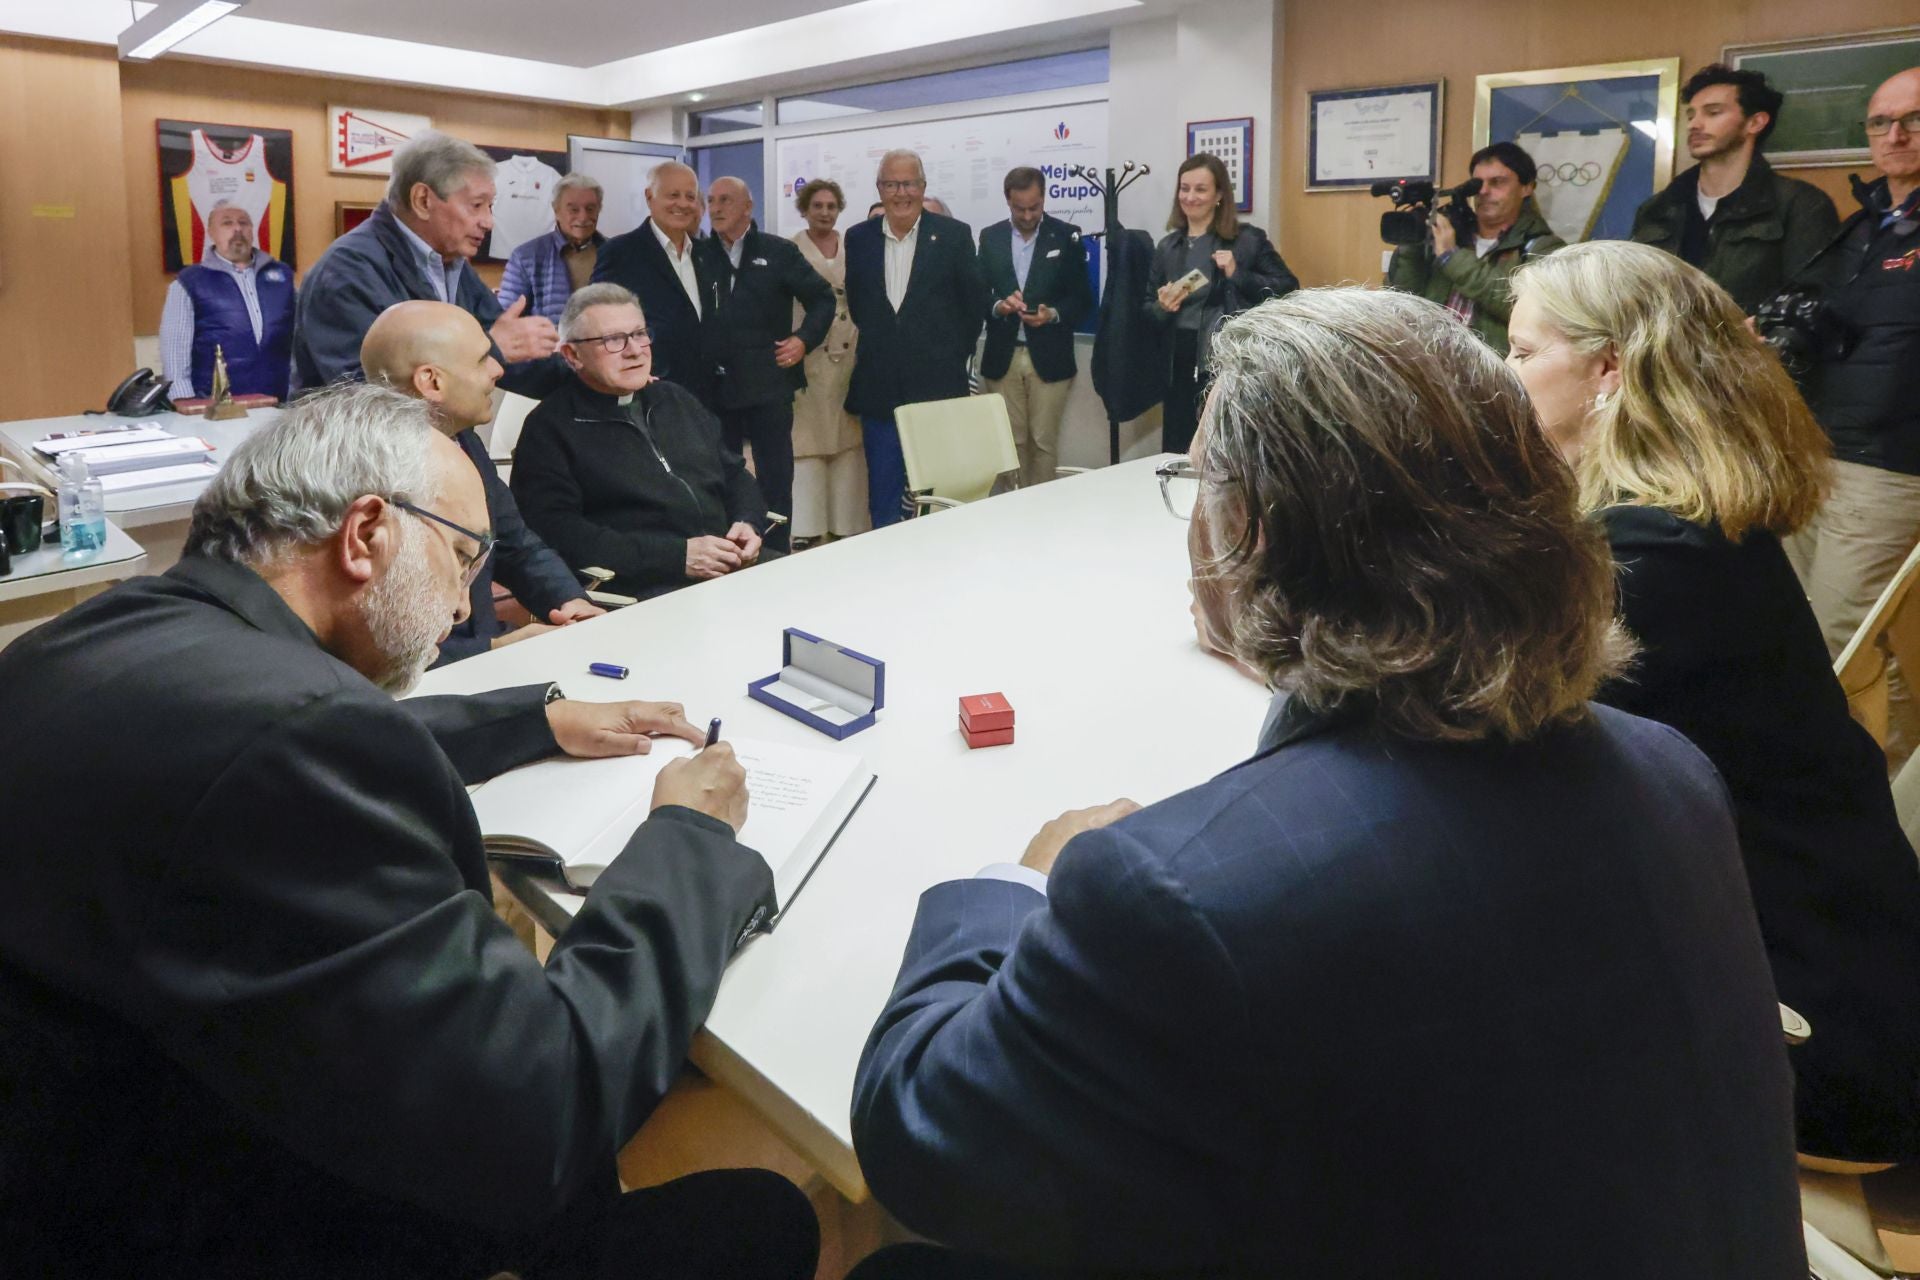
(220, 405)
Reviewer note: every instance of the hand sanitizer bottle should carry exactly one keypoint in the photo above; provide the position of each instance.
(83, 508)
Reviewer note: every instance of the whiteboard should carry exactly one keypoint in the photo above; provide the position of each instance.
(966, 160)
(622, 168)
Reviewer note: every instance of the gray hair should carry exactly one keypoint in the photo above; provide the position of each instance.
(437, 159)
(668, 166)
(578, 182)
(290, 483)
(604, 294)
(224, 203)
(902, 153)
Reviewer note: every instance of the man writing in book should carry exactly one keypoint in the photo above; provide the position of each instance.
(438, 353)
(257, 1016)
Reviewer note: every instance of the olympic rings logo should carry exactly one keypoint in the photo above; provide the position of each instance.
(1569, 174)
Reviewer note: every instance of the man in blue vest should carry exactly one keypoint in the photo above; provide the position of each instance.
(239, 300)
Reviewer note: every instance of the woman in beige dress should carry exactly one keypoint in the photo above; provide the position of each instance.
(829, 467)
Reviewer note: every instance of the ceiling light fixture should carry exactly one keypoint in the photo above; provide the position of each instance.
(696, 97)
(168, 24)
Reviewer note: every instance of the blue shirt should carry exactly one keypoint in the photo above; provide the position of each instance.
(442, 275)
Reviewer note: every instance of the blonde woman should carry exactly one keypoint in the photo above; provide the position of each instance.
(1694, 450)
(829, 465)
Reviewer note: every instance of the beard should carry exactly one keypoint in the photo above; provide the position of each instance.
(405, 615)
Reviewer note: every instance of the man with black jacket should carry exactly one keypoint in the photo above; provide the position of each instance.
(1037, 295)
(1864, 394)
(437, 353)
(627, 471)
(257, 1018)
(656, 262)
(755, 349)
(1731, 215)
(914, 290)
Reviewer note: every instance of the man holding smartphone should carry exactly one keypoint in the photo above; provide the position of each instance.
(1037, 295)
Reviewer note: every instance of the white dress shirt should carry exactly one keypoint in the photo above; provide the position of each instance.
(1022, 266)
(899, 259)
(682, 263)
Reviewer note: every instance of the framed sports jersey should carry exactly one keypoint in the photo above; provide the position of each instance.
(204, 164)
(522, 199)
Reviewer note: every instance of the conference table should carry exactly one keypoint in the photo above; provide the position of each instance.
(1069, 598)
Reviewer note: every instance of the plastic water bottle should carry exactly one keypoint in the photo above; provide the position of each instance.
(83, 508)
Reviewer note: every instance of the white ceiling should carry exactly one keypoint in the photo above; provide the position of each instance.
(574, 33)
(601, 53)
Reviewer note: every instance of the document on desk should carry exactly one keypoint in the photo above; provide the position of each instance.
(574, 817)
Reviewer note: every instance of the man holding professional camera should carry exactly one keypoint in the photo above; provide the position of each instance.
(1860, 386)
(1471, 279)
(1731, 215)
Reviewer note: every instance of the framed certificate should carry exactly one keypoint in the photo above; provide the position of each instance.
(1232, 142)
(1357, 137)
(1827, 80)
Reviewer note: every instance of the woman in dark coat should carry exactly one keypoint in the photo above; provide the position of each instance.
(1242, 269)
(1693, 448)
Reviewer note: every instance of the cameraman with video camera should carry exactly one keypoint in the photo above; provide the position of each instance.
(1506, 229)
(1853, 339)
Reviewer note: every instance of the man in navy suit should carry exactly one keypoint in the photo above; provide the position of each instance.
(914, 290)
(1457, 976)
(1037, 295)
(657, 263)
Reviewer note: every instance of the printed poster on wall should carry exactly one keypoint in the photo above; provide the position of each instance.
(203, 164)
(966, 160)
(363, 139)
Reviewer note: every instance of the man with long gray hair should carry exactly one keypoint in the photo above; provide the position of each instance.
(248, 947)
(437, 214)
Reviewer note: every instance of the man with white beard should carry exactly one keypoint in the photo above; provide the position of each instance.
(248, 946)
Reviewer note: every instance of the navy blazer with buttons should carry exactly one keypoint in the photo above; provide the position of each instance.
(1361, 1006)
(1057, 278)
(636, 261)
(921, 352)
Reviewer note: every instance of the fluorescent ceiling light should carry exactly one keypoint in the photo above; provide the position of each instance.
(169, 24)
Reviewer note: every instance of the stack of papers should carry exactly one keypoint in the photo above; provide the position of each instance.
(124, 458)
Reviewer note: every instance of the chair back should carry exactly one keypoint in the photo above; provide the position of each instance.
(509, 416)
(1891, 630)
(956, 448)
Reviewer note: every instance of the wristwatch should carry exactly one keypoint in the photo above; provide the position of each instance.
(554, 694)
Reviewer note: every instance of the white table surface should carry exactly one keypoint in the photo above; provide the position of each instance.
(137, 508)
(48, 569)
(1070, 599)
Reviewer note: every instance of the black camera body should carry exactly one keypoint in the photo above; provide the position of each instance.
(1413, 206)
(1803, 330)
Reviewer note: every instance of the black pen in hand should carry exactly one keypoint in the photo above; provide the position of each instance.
(713, 731)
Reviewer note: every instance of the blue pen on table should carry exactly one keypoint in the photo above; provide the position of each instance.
(713, 731)
(611, 671)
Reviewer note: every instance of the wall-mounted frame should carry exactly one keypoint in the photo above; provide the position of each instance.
(1827, 81)
(622, 166)
(348, 214)
(202, 165)
(364, 139)
(1357, 137)
(523, 197)
(1232, 141)
(1602, 136)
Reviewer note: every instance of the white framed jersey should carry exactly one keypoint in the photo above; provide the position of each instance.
(240, 177)
(522, 203)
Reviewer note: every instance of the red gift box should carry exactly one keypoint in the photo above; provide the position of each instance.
(986, 713)
(986, 737)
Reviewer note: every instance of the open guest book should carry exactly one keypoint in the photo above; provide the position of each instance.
(572, 817)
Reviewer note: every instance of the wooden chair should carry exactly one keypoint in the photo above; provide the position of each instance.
(1891, 630)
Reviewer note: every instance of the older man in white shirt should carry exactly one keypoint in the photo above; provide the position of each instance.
(917, 327)
(657, 263)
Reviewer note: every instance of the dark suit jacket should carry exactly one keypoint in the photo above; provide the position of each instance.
(1259, 273)
(257, 1016)
(1358, 1007)
(747, 312)
(625, 487)
(1057, 278)
(522, 563)
(1731, 656)
(637, 261)
(1131, 351)
(922, 352)
(361, 274)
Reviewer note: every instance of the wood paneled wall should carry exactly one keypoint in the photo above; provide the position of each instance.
(1328, 237)
(66, 315)
(173, 89)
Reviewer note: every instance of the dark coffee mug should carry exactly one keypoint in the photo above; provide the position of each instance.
(20, 518)
(6, 559)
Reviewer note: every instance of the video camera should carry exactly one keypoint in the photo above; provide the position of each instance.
(1413, 200)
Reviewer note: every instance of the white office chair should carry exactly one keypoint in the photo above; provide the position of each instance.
(509, 416)
(954, 449)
